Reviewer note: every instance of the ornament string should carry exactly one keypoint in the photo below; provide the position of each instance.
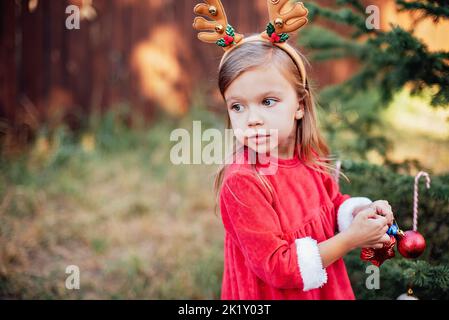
(415, 197)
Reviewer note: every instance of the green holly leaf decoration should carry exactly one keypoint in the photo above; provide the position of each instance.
(283, 37)
(221, 42)
(230, 30)
(270, 29)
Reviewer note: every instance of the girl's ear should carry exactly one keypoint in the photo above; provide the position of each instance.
(300, 112)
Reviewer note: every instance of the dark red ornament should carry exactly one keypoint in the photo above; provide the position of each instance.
(411, 244)
(378, 256)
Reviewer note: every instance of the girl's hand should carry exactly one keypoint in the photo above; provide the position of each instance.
(382, 207)
(368, 229)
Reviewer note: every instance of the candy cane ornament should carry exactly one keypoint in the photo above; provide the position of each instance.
(415, 197)
(412, 244)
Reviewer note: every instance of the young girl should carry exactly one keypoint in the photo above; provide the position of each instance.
(287, 231)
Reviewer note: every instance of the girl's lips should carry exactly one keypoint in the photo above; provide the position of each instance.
(259, 138)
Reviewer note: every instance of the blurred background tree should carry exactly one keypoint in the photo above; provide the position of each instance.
(388, 61)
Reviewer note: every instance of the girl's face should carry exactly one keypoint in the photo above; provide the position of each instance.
(263, 108)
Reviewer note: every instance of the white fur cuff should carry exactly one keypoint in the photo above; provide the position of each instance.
(310, 264)
(344, 215)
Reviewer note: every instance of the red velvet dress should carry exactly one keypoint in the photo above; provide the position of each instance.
(261, 226)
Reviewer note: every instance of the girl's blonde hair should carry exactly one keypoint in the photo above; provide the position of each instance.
(311, 146)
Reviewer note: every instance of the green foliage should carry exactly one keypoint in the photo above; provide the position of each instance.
(270, 29)
(229, 30)
(221, 42)
(111, 130)
(284, 37)
(389, 59)
(436, 9)
(353, 127)
(344, 15)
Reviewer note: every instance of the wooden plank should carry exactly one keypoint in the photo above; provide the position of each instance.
(8, 79)
(32, 55)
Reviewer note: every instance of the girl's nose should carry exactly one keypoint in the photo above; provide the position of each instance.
(254, 118)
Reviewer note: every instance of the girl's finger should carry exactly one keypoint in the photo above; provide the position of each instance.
(388, 216)
(382, 210)
(385, 212)
(382, 205)
(388, 209)
(385, 239)
(381, 220)
(368, 213)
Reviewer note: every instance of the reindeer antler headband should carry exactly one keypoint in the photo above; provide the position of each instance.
(285, 17)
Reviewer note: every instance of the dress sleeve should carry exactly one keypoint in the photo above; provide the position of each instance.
(344, 204)
(253, 224)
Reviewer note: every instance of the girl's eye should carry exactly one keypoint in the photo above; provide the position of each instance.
(269, 102)
(237, 107)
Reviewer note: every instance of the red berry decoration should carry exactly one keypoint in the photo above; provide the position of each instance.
(411, 245)
(228, 39)
(274, 37)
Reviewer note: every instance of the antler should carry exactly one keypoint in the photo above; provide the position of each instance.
(289, 20)
(219, 24)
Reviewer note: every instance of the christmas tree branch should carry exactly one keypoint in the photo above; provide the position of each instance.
(345, 16)
(434, 9)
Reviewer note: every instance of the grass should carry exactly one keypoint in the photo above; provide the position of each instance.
(135, 225)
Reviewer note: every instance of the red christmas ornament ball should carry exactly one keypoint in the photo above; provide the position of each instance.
(411, 245)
